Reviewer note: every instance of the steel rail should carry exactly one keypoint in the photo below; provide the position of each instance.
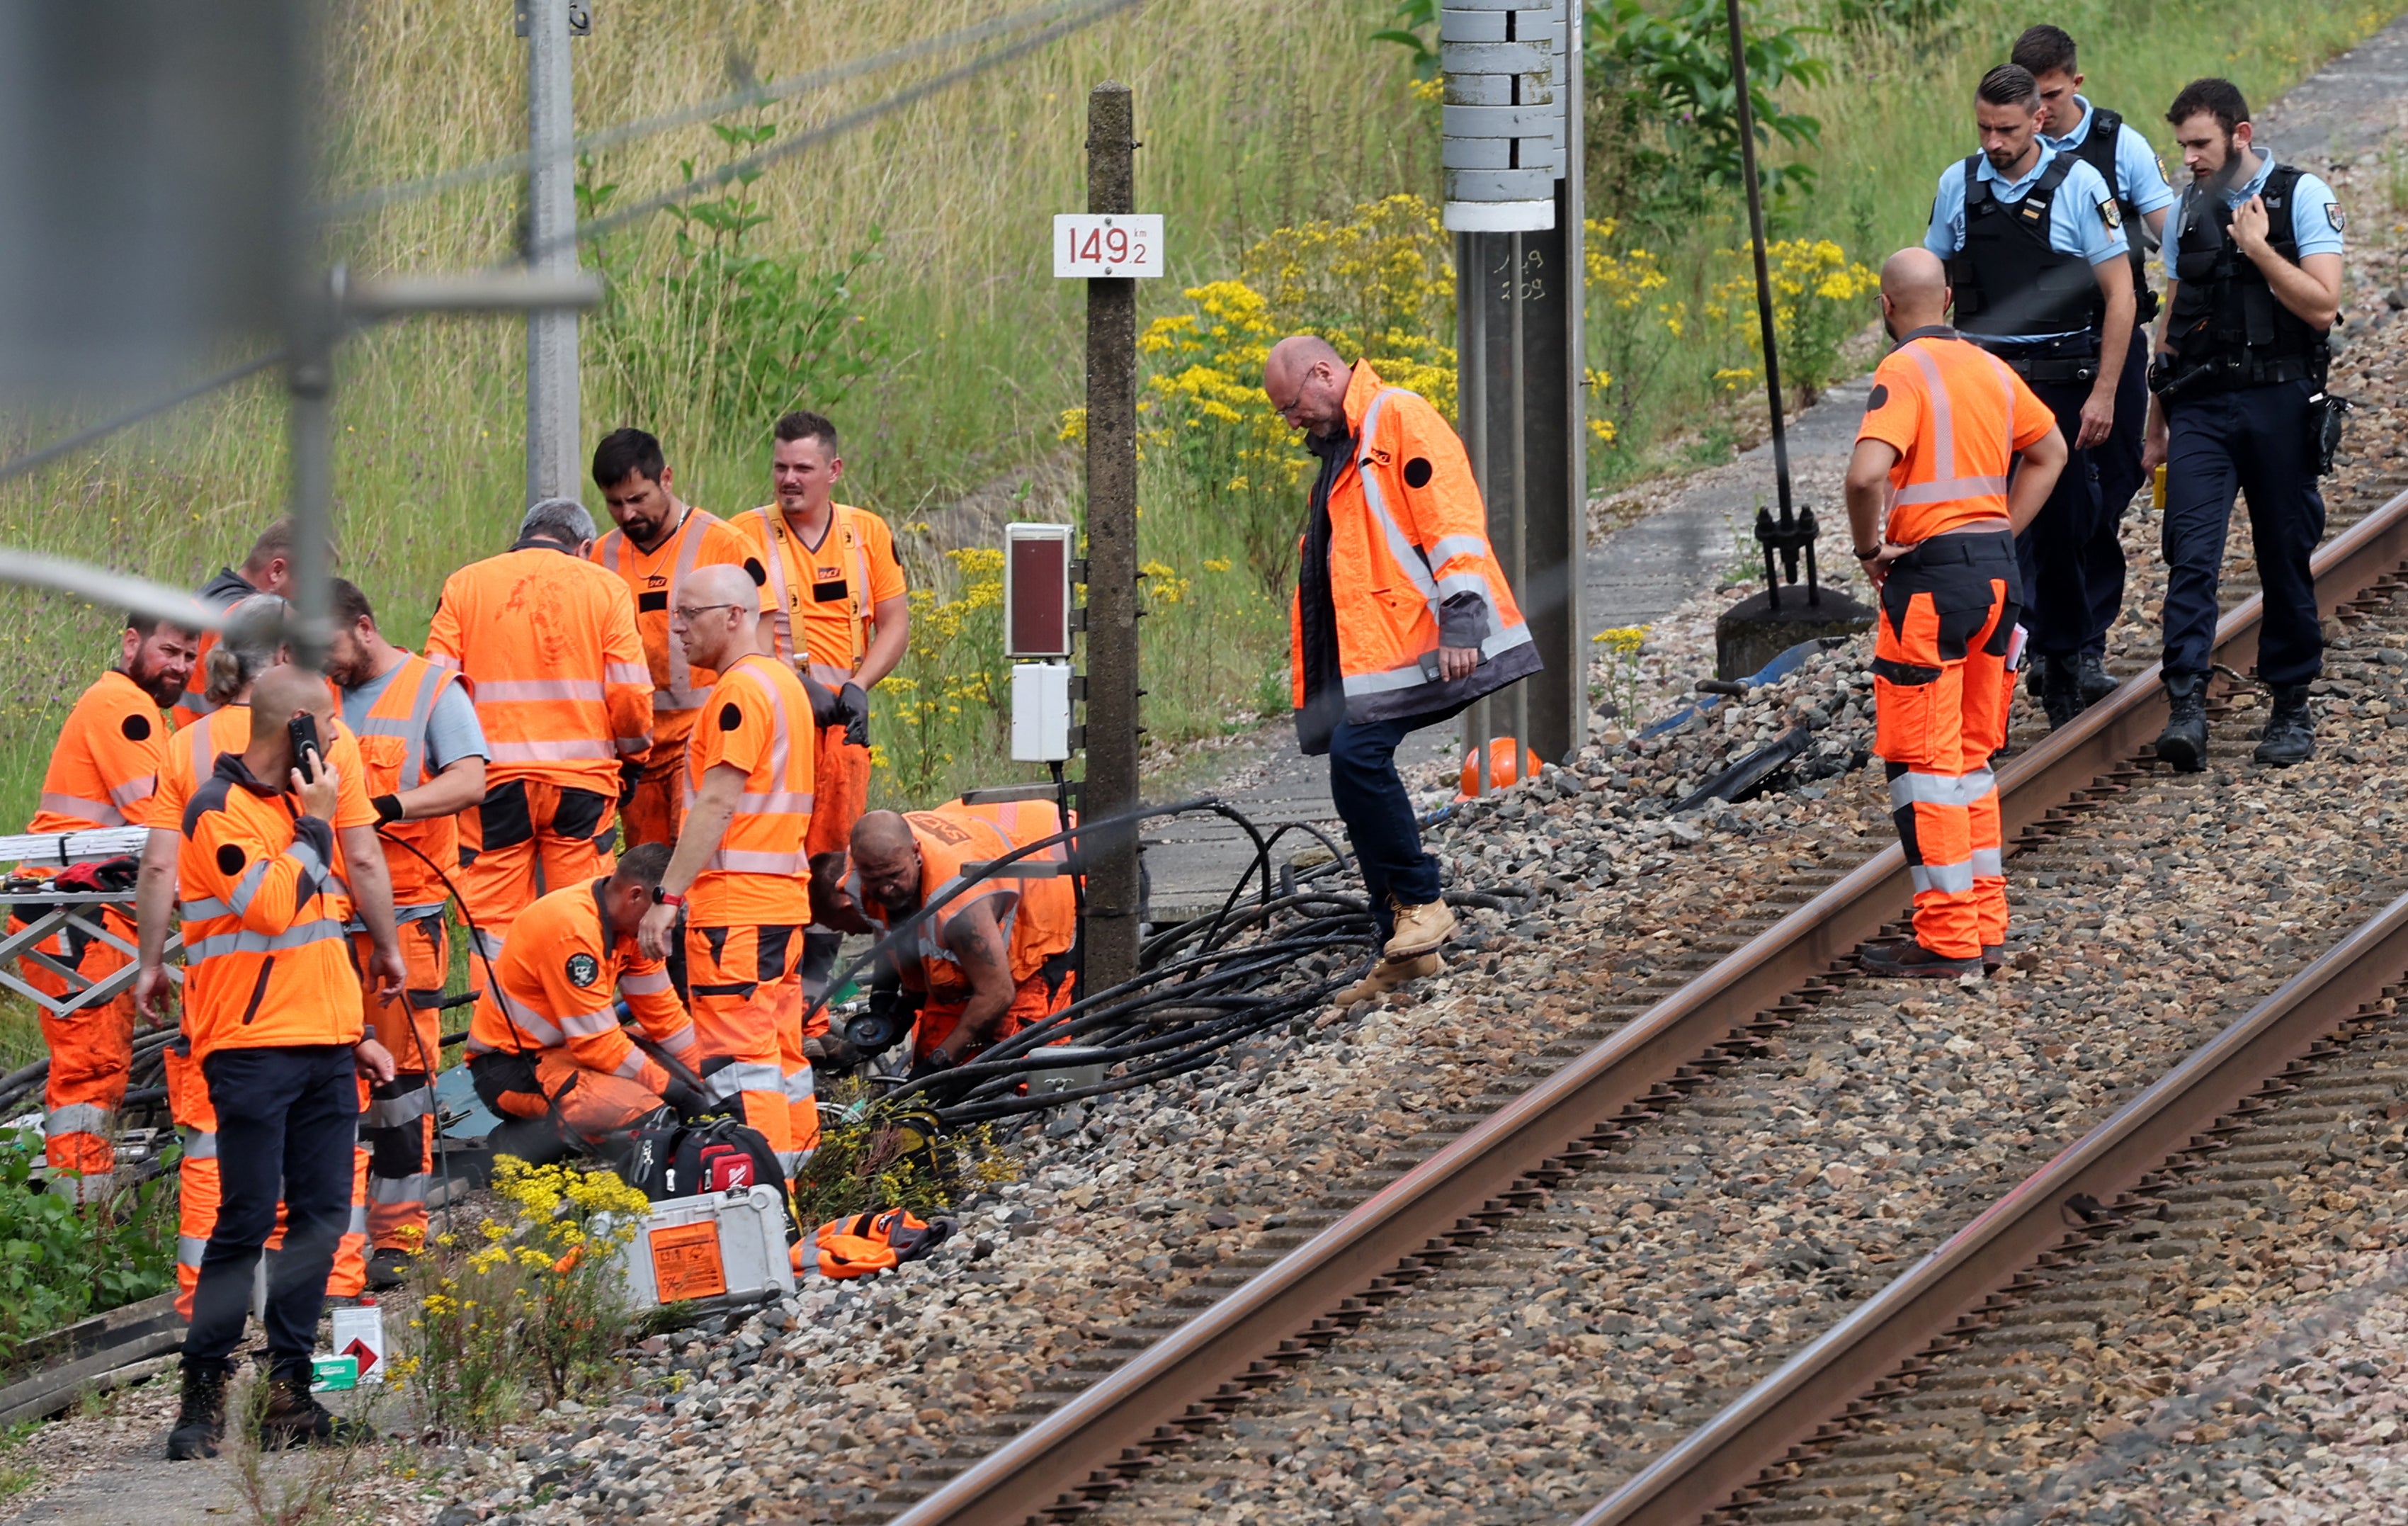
(1153, 1390)
(1719, 1460)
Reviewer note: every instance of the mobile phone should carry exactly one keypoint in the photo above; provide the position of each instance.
(303, 729)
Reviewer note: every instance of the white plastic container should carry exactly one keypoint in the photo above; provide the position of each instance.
(728, 1242)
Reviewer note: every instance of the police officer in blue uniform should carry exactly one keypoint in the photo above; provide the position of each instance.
(2036, 252)
(2124, 159)
(2254, 252)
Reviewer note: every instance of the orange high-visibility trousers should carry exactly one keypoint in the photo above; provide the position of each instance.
(1054, 986)
(1939, 697)
(529, 837)
(655, 812)
(199, 1192)
(398, 1123)
(839, 792)
(745, 990)
(90, 1055)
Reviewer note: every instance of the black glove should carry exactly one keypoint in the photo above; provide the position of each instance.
(631, 771)
(936, 1063)
(826, 709)
(852, 708)
(685, 1096)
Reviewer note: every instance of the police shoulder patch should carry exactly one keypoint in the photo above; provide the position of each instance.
(583, 970)
(2113, 214)
(2334, 215)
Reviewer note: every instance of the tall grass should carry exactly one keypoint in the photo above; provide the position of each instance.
(1896, 109)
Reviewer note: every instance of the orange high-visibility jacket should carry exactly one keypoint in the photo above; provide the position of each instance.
(266, 959)
(1407, 536)
(1957, 414)
(562, 970)
(104, 770)
(393, 753)
(548, 644)
(1038, 918)
(655, 580)
(192, 752)
(758, 718)
(830, 593)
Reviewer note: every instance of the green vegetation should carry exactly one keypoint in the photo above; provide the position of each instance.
(897, 276)
(58, 1263)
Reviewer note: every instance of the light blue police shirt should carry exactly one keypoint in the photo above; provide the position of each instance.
(2315, 212)
(2075, 223)
(2137, 170)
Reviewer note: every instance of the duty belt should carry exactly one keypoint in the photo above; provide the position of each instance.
(2052, 360)
(2234, 373)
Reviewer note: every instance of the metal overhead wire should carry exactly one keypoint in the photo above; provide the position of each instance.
(1083, 15)
(745, 99)
(796, 143)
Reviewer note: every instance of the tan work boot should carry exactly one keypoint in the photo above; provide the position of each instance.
(1420, 930)
(1386, 976)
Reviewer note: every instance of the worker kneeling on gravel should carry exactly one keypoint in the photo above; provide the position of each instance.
(1401, 618)
(1943, 427)
(546, 1051)
(995, 958)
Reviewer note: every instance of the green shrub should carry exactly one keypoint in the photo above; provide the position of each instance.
(59, 1262)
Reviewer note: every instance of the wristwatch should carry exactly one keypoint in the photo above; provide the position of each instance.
(1867, 555)
(664, 898)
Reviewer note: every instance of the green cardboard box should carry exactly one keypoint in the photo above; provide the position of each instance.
(330, 1372)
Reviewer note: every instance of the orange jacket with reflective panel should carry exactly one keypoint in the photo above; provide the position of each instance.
(562, 969)
(548, 644)
(654, 579)
(1409, 557)
(1038, 918)
(758, 719)
(393, 753)
(266, 959)
(104, 771)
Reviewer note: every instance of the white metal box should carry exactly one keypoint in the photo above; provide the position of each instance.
(1040, 712)
(732, 1242)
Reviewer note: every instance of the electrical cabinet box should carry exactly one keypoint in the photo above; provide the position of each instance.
(732, 1242)
(1040, 712)
(1037, 591)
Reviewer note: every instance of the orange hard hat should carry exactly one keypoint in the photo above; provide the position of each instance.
(1501, 771)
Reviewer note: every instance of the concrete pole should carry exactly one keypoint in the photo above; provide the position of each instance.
(310, 390)
(1111, 785)
(551, 428)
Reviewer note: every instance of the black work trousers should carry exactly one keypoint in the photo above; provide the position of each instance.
(288, 1118)
(2253, 442)
(2053, 549)
(2118, 464)
(1379, 815)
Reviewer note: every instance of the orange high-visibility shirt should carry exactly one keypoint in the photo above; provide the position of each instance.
(266, 962)
(830, 592)
(1957, 416)
(192, 752)
(104, 771)
(562, 970)
(654, 579)
(1038, 918)
(548, 644)
(392, 757)
(758, 718)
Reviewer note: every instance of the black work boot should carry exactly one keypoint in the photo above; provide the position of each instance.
(1911, 961)
(2060, 690)
(2290, 734)
(2093, 679)
(2183, 742)
(200, 1420)
(293, 1418)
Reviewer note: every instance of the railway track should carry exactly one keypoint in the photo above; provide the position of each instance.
(1131, 1414)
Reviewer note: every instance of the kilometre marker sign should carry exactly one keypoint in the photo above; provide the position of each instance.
(1090, 244)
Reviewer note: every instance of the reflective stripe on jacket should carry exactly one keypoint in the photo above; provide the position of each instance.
(562, 971)
(392, 753)
(760, 706)
(1410, 561)
(266, 959)
(786, 562)
(1957, 416)
(104, 771)
(655, 580)
(548, 644)
(1038, 918)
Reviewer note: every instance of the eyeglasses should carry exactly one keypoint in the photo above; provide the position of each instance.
(688, 611)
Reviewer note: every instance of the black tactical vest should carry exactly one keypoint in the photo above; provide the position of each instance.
(2225, 315)
(2010, 281)
(2098, 151)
